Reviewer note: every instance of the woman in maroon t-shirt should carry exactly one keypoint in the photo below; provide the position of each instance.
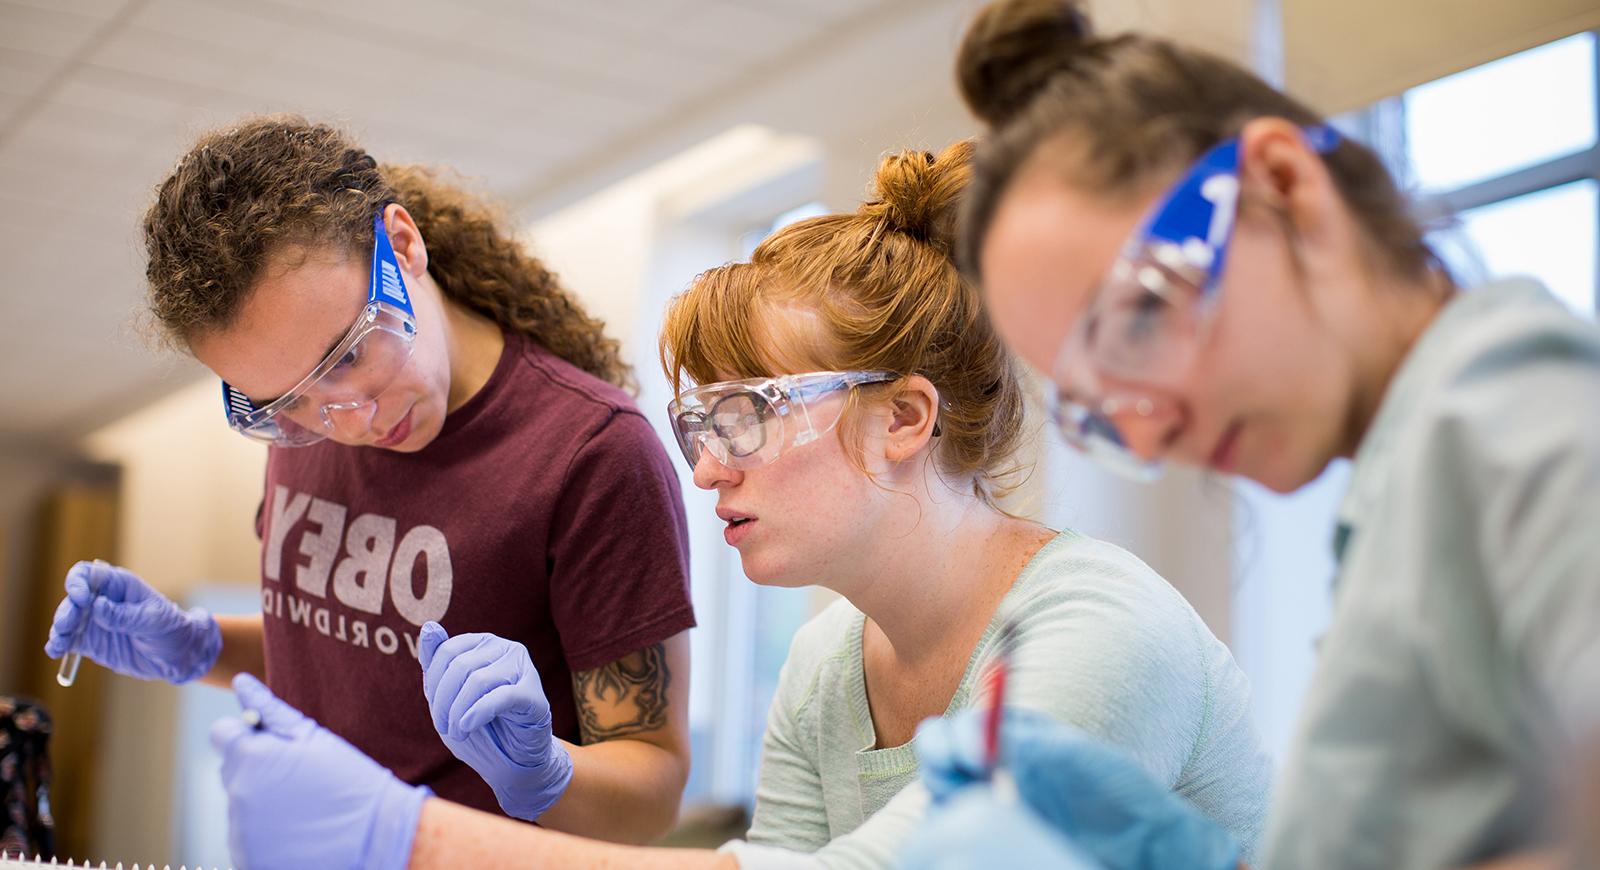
(451, 443)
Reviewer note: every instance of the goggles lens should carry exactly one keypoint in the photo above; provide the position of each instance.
(355, 373)
(745, 424)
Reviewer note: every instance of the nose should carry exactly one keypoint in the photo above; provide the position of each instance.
(1148, 425)
(352, 425)
(711, 474)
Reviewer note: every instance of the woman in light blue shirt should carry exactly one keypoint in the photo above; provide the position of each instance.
(1213, 276)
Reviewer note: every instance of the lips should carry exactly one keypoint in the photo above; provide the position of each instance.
(398, 433)
(739, 525)
(730, 516)
(1224, 455)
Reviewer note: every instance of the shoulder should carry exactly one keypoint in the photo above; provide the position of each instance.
(577, 393)
(1515, 397)
(1076, 575)
(1505, 347)
(597, 421)
(821, 650)
(1103, 642)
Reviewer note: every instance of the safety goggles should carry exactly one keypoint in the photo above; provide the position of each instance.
(1152, 313)
(747, 423)
(354, 373)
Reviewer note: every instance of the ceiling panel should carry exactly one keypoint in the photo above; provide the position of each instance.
(55, 30)
(98, 98)
(23, 72)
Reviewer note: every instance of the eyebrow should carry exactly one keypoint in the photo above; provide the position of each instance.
(338, 339)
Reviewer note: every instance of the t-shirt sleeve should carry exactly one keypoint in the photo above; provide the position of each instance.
(1518, 444)
(619, 553)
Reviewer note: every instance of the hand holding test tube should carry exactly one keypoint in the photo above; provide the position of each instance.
(67, 674)
(124, 624)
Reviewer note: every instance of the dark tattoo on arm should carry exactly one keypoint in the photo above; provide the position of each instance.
(626, 697)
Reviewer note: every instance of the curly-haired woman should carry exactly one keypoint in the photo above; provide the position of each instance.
(451, 441)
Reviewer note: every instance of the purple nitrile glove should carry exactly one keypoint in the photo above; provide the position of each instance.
(489, 707)
(300, 796)
(118, 620)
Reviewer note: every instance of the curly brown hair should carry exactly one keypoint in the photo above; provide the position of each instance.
(244, 191)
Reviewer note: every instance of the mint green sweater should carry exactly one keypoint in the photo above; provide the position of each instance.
(1103, 643)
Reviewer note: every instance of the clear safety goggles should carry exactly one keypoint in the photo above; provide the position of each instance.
(747, 423)
(1151, 314)
(354, 373)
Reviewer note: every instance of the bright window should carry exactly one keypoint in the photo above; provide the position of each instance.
(1503, 116)
(1550, 234)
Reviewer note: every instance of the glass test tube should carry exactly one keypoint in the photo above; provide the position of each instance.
(67, 674)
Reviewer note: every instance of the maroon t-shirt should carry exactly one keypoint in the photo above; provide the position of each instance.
(545, 511)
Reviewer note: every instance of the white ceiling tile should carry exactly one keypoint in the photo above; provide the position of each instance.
(55, 30)
(146, 52)
(816, 13)
(141, 109)
(24, 72)
(101, 9)
(9, 105)
(238, 27)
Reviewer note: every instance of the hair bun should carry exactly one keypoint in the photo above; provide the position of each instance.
(1012, 51)
(918, 192)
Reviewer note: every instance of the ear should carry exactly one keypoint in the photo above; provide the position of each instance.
(409, 248)
(914, 416)
(1278, 164)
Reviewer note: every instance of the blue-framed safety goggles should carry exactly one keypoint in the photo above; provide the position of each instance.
(1147, 320)
(355, 372)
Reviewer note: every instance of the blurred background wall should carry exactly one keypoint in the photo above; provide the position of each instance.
(639, 142)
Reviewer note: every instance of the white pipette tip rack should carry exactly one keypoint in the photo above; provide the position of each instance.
(23, 862)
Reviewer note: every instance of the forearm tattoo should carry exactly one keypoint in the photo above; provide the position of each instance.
(626, 697)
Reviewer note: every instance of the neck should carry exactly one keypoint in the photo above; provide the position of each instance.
(933, 573)
(1395, 315)
(474, 343)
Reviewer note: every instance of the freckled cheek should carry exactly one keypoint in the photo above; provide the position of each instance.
(818, 497)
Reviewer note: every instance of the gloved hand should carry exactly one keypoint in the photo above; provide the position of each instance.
(300, 796)
(131, 628)
(1103, 801)
(489, 706)
(976, 829)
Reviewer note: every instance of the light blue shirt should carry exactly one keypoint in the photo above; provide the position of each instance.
(1463, 662)
(1102, 643)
